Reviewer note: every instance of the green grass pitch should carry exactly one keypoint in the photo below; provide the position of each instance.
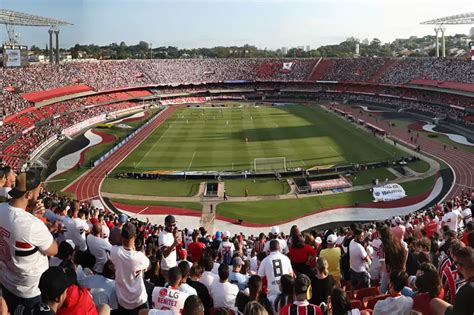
(214, 139)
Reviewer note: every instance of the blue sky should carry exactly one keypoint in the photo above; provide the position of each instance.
(264, 23)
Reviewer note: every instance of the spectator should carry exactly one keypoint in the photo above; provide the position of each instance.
(287, 293)
(168, 240)
(208, 277)
(202, 291)
(274, 235)
(255, 308)
(255, 294)
(26, 251)
(65, 252)
(53, 285)
(102, 286)
(301, 255)
(129, 268)
(184, 286)
(429, 286)
(464, 259)
(358, 258)
(226, 249)
(322, 283)
(235, 276)
(397, 303)
(196, 248)
(301, 305)
(332, 254)
(223, 292)
(99, 247)
(340, 304)
(170, 297)
(273, 267)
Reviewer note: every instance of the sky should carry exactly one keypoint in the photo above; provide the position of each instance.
(267, 24)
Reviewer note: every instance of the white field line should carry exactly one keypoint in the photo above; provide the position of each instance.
(149, 150)
(191, 162)
(142, 210)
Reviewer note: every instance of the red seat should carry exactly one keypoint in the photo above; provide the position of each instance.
(363, 293)
(357, 304)
(372, 300)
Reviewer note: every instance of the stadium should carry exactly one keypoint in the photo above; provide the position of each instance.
(242, 145)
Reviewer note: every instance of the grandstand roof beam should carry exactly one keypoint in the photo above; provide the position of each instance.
(465, 18)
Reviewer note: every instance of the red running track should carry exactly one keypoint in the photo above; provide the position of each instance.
(462, 162)
(87, 186)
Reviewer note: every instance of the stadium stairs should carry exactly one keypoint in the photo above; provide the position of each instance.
(380, 72)
(320, 69)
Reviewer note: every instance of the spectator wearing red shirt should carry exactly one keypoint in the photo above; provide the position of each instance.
(301, 255)
(429, 287)
(431, 227)
(469, 229)
(196, 249)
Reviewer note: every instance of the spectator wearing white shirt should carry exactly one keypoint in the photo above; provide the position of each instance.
(99, 247)
(450, 218)
(170, 297)
(208, 277)
(27, 243)
(466, 213)
(168, 240)
(395, 304)
(357, 261)
(130, 266)
(222, 291)
(78, 228)
(274, 233)
(273, 267)
(102, 287)
(226, 249)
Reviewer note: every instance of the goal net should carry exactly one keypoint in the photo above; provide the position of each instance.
(273, 164)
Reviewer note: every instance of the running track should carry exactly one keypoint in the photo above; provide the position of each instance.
(462, 162)
(87, 186)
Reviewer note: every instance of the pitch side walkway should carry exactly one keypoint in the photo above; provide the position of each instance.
(462, 162)
(88, 185)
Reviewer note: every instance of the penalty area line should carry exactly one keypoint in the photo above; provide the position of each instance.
(191, 162)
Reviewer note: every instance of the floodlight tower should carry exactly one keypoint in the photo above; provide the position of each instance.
(465, 18)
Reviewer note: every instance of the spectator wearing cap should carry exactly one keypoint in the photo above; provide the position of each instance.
(301, 306)
(27, 243)
(332, 254)
(223, 292)
(53, 285)
(168, 240)
(99, 247)
(226, 249)
(274, 233)
(235, 276)
(129, 268)
(115, 237)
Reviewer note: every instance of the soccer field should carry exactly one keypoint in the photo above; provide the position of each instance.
(215, 139)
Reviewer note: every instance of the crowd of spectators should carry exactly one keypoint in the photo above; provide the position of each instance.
(60, 256)
(353, 69)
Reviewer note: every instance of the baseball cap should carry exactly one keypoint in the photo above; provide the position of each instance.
(24, 182)
(53, 283)
(129, 231)
(302, 283)
(237, 261)
(275, 230)
(332, 238)
(122, 218)
(318, 240)
(170, 219)
(226, 234)
(218, 235)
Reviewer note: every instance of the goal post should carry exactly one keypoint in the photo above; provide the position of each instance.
(272, 164)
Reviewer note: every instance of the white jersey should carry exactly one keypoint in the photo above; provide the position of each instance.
(76, 231)
(273, 267)
(168, 299)
(467, 215)
(23, 239)
(226, 249)
(100, 248)
(451, 220)
(166, 239)
(129, 268)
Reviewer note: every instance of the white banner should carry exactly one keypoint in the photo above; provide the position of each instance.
(12, 58)
(388, 192)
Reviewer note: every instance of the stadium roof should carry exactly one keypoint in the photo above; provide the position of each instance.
(465, 18)
(17, 18)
